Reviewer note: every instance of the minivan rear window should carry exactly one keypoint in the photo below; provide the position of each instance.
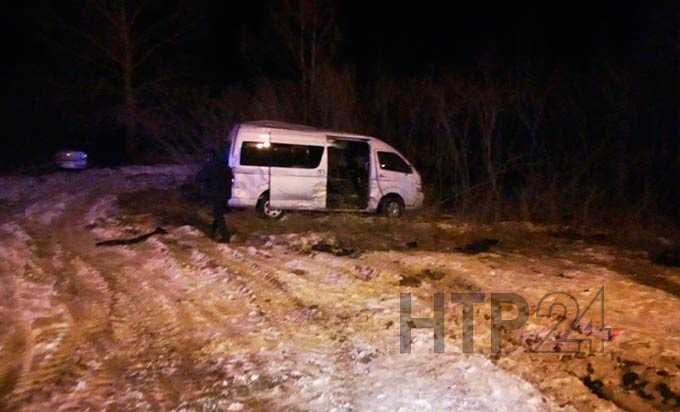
(393, 162)
(281, 155)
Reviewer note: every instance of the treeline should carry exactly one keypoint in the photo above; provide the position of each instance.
(497, 143)
(578, 142)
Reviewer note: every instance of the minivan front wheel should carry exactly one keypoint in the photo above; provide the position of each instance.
(265, 210)
(391, 206)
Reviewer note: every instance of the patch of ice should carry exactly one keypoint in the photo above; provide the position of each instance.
(187, 231)
(415, 382)
(235, 406)
(106, 206)
(46, 211)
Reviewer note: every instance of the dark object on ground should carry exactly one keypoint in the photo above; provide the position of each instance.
(417, 280)
(412, 245)
(596, 386)
(478, 246)
(629, 379)
(433, 274)
(364, 273)
(409, 281)
(668, 257)
(138, 239)
(667, 394)
(336, 250)
(595, 237)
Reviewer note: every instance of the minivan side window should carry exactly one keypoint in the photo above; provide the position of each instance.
(281, 155)
(393, 162)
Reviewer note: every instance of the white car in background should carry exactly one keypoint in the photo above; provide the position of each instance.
(71, 159)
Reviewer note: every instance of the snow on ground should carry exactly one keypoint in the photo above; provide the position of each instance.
(179, 322)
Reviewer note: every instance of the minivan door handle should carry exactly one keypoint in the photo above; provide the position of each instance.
(322, 172)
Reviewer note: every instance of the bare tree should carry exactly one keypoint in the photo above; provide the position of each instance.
(455, 118)
(531, 105)
(118, 43)
(309, 32)
(488, 105)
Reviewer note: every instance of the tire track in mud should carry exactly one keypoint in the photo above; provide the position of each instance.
(169, 316)
(159, 338)
(344, 378)
(115, 321)
(54, 349)
(262, 269)
(171, 322)
(254, 280)
(158, 323)
(79, 335)
(37, 327)
(199, 287)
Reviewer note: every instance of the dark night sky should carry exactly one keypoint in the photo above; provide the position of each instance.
(400, 38)
(410, 38)
(405, 38)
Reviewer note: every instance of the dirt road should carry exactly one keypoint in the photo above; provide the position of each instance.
(178, 322)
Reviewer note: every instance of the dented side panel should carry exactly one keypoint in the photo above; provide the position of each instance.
(248, 184)
(249, 181)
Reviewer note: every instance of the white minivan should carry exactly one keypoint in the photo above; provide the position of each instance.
(279, 166)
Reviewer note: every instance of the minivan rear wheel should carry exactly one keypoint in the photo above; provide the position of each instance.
(265, 210)
(391, 206)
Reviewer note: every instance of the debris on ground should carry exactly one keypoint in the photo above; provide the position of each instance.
(412, 244)
(478, 246)
(586, 328)
(433, 274)
(364, 272)
(132, 241)
(576, 236)
(409, 281)
(335, 249)
(667, 257)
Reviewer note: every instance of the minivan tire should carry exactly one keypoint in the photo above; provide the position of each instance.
(264, 211)
(391, 206)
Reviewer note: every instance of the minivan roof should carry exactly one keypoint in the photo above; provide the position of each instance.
(273, 124)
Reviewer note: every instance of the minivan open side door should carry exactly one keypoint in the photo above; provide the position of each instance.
(348, 173)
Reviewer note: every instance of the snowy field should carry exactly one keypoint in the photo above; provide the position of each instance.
(283, 319)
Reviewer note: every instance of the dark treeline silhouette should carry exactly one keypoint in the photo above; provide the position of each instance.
(553, 145)
(593, 141)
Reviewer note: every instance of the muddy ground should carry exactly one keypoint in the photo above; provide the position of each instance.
(303, 313)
